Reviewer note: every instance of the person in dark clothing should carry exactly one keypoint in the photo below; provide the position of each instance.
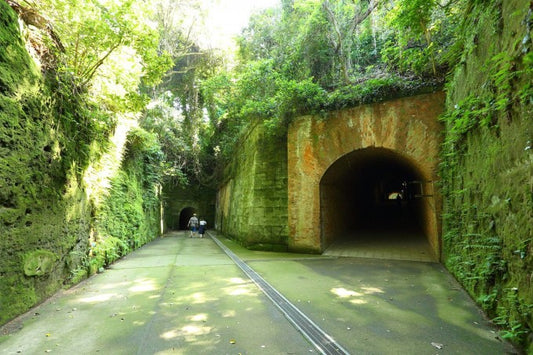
(202, 228)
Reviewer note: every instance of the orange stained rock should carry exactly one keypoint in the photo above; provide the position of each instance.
(309, 159)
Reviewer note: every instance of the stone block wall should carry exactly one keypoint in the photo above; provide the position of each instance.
(252, 202)
(271, 195)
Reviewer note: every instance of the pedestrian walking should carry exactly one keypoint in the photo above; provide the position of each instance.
(202, 228)
(193, 225)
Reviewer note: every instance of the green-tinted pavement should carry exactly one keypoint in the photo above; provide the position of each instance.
(178, 295)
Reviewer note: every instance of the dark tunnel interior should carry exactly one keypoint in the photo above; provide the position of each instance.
(185, 215)
(371, 190)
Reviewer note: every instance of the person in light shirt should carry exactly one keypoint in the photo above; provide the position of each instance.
(193, 225)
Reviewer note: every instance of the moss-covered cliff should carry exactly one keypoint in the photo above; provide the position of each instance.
(58, 216)
(487, 166)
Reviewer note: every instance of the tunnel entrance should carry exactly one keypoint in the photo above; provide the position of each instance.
(372, 204)
(185, 215)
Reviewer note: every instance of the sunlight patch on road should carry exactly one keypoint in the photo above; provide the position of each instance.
(200, 317)
(100, 298)
(199, 297)
(371, 290)
(242, 287)
(229, 313)
(143, 286)
(238, 280)
(238, 291)
(358, 301)
(344, 293)
(192, 329)
(354, 296)
(116, 285)
(189, 332)
(171, 334)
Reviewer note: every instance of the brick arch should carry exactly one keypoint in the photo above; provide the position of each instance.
(408, 127)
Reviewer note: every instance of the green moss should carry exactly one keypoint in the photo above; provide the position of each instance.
(16, 67)
(129, 216)
(16, 296)
(39, 262)
(48, 136)
(257, 191)
(268, 247)
(78, 275)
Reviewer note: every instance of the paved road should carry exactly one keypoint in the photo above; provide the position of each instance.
(178, 295)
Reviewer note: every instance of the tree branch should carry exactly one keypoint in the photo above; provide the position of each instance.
(358, 18)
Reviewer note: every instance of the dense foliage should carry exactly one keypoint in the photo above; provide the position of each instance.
(304, 56)
(311, 56)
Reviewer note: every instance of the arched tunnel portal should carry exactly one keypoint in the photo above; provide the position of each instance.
(343, 170)
(373, 199)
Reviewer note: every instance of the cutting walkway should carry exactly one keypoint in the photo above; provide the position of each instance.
(178, 295)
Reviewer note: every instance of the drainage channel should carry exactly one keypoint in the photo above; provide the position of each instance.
(322, 341)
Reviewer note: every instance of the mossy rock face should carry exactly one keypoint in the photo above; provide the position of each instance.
(47, 216)
(486, 166)
(39, 262)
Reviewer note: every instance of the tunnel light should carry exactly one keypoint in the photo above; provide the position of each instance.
(395, 196)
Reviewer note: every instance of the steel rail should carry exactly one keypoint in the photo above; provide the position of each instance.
(323, 342)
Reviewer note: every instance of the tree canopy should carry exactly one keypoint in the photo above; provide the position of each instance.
(303, 56)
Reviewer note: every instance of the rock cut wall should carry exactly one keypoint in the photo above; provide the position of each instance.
(488, 165)
(72, 200)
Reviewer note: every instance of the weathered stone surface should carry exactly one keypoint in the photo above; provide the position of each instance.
(60, 183)
(180, 203)
(488, 180)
